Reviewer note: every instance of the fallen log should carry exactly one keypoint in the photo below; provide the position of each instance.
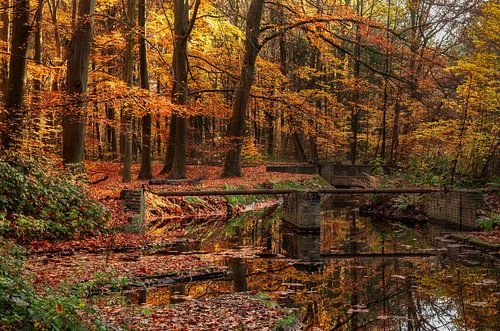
(99, 180)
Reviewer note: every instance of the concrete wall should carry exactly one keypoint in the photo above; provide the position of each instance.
(457, 208)
(334, 169)
(344, 175)
(133, 200)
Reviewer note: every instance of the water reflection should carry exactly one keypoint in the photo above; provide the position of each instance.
(300, 246)
(388, 293)
(238, 274)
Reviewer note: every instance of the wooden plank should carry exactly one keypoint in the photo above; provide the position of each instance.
(289, 191)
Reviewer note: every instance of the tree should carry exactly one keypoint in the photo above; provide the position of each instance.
(37, 84)
(14, 99)
(182, 29)
(479, 134)
(4, 39)
(76, 86)
(236, 127)
(127, 110)
(146, 171)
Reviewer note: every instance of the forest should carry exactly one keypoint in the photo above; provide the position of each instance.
(123, 123)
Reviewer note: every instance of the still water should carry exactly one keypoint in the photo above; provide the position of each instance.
(353, 274)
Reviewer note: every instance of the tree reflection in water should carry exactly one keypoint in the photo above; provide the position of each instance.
(396, 293)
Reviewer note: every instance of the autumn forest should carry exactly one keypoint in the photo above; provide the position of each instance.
(123, 123)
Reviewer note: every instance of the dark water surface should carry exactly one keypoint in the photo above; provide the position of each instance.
(356, 274)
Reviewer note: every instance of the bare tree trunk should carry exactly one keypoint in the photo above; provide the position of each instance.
(182, 28)
(77, 76)
(386, 89)
(126, 113)
(5, 39)
(169, 157)
(111, 131)
(53, 6)
(270, 134)
(236, 129)
(38, 117)
(179, 163)
(180, 88)
(14, 99)
(395, 134)
(146, 171)
(300, 152)
(37, 84)
(74, 4)
(355, 109)
(158, 136)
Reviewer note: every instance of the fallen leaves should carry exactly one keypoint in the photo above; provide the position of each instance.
(85, 267)
(227, 312)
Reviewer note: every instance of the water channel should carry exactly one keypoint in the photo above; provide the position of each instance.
(355, 274)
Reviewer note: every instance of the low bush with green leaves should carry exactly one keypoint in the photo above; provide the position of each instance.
(23, 309)
(35, 204)
(489, 221)
(428, 170)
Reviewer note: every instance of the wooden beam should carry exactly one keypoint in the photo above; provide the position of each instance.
(289, 191)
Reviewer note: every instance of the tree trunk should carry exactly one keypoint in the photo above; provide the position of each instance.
(270, 134)
(53, 7)
(111, 131)
(299, 148)
(386, 89)
(158, 136)
(180, 88)
(236, 129)
(146, 171)
(179, 163)
(14, 99)
(5, 39)
(395, 134)
(355, 109)
(126, 112)
(37, 57)
(37, 84)
(169, 156)
(77, 76)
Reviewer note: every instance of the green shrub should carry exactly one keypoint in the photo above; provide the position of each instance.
(23, 309)
(428, 170)
(236, 200)
(286, 323)
(34, 204)
(489, 221)
(377, 165)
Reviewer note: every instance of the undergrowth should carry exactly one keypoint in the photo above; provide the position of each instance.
(38, 204)
(24, 309)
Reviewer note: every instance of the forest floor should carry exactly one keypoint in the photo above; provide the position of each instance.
(112, 263)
